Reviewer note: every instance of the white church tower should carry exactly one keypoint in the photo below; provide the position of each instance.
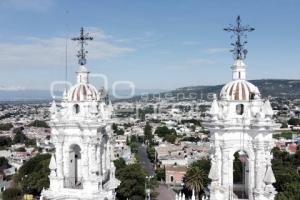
(81, 167)
(241, 127)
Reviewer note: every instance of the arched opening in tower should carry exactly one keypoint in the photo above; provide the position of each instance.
(75, 167)
(240, 109)
(241, 174)
(76, 108)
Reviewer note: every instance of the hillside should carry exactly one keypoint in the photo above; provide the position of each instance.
(268, 87)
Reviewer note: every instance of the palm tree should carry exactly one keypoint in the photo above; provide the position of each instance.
(195, 179)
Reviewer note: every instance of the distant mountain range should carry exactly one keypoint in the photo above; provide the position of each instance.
(268, 87)
(24, 95)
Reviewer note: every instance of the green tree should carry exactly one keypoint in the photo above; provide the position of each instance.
(30, 142)
(196, 177)
(12, 194)
(134, 147)
(132, 185)
(290, 191)
(151, 153)
(5, 142)
(114, 127)
(4, 163)
(285, 134)
(194, 180)
(33, 175)
(120, 163)
(18, 130)
(168, 135)
(294, 121)
(191, 139)
(287, 178)
(21, 149)
(120, 132)
(148, 133)
(160, 174)
(19, 138)
(133, 139)
(171, 138)
(39, 123)
(6, 126)
(141, 114)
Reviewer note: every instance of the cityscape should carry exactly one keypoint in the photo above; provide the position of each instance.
(136, 108)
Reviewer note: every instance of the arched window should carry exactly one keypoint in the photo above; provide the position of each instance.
(74, 180)
(241, 175)
(76, 108)
(252, 95)
(240, 109)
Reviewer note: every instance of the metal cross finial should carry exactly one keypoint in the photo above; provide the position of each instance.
(239, 31)
(82, 41)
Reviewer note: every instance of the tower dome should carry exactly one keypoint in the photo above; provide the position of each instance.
(239, 89)
(83, 92)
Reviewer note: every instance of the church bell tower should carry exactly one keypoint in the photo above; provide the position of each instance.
(241, 126)
(81, 167)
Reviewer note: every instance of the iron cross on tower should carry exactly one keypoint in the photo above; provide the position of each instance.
(82, 41)
(239, 31)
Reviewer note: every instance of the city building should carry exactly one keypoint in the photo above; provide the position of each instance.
(175, 175)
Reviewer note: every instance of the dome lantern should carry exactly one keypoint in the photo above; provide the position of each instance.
(238, 70)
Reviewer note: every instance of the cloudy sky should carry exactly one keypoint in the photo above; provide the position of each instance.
(157, 44)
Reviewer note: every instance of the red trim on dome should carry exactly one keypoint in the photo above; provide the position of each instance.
(231, 90)
(78, 93)
(237, 91)
(249, 95)
(84, 90)
(244, 92)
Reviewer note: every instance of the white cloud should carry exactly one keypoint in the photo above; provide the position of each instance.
(200, 61)
(33, 5)
(216, 50)
(50, 52)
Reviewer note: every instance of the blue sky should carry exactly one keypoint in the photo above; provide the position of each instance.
(161, 44)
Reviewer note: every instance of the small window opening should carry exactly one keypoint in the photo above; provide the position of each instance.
(76, 108)
(240, 109)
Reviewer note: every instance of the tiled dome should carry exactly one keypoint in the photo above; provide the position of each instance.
(83, 92)
(239, 90)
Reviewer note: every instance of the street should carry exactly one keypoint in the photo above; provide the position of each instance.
(164, 193)
(142, 156)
